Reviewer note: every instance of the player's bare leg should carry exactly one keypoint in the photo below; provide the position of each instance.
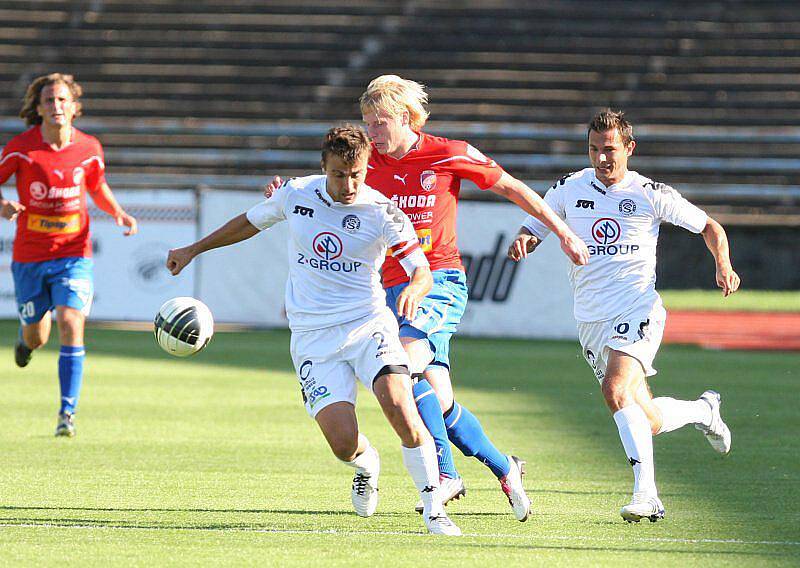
(339, 425)
(393, 391)
(32, 337)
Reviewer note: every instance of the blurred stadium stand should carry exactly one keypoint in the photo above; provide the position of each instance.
(223, 93)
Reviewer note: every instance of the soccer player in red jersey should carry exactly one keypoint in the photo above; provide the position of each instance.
(422, 174)
(55, 166)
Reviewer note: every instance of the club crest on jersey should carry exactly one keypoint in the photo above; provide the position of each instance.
(606, 231)
(351, 223)
(77, 175)
(427, 180)
(627, 207)
(327, 246)
(38, 190)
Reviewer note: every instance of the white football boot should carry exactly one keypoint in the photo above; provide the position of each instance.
(65, 427)
(441, 524)
(717, 434)
(512, 487)
(450, 488)
(643, 506)
(364, 494)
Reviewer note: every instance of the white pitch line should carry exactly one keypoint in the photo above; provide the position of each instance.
(401, 533)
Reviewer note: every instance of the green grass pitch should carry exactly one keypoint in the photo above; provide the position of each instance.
(212, 460)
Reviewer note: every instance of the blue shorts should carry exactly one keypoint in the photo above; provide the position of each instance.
(40, 286)
(439, 313)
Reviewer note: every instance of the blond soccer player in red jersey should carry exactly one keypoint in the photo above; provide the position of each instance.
(55, 166)
(422, 174)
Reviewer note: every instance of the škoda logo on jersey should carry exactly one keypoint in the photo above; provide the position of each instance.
(327, 247)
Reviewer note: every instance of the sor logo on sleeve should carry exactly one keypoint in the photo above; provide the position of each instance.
(627, 207)
(351, 223)
(303, 211)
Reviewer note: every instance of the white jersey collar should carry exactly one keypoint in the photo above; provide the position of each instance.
(622, 184)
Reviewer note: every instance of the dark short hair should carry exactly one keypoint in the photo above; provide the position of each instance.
(608, 119)
(33, 95)
(349, 142)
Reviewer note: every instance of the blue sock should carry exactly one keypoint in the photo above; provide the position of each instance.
(70, 376)
(431, 412)
(466, 432)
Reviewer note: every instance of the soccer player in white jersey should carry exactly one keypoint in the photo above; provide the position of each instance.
(620, 316)
(342, 330)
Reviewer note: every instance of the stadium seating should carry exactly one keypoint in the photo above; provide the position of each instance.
(216, 90)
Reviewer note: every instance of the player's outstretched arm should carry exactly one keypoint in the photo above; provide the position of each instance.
(717, 242)
(409, 299)
(514, 190)
(105, 200)
(10, 209)
(523, 245)
(236, 230)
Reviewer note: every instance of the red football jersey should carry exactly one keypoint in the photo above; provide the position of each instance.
(52, 185)
(425, 184)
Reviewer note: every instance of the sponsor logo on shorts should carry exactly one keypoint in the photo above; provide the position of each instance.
(305, 369)
(427, 180)
(644, 327)
(308, 384)
(627, 207)
(351, 223)
(317, 394)
(592, 359)
(54, 224)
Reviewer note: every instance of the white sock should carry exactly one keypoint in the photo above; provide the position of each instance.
(677, 413)
(637, 439)
(367, 461)
(423, 467)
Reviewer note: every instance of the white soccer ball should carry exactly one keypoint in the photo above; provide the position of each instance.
(183, 326)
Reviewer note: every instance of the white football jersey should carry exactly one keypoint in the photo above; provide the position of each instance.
(619, 225)
(336, 250)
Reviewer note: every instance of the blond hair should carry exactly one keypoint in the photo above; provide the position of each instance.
(33, 95)
(395, 95)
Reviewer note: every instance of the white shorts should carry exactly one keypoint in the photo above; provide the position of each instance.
(637, 333)
(330, 361)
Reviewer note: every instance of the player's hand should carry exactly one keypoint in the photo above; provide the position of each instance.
(408, 301)
(575, 249)
(177, 259)
(728, 280)
(521, 246)
(270, 188)
(10, 209)
(128, 221)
